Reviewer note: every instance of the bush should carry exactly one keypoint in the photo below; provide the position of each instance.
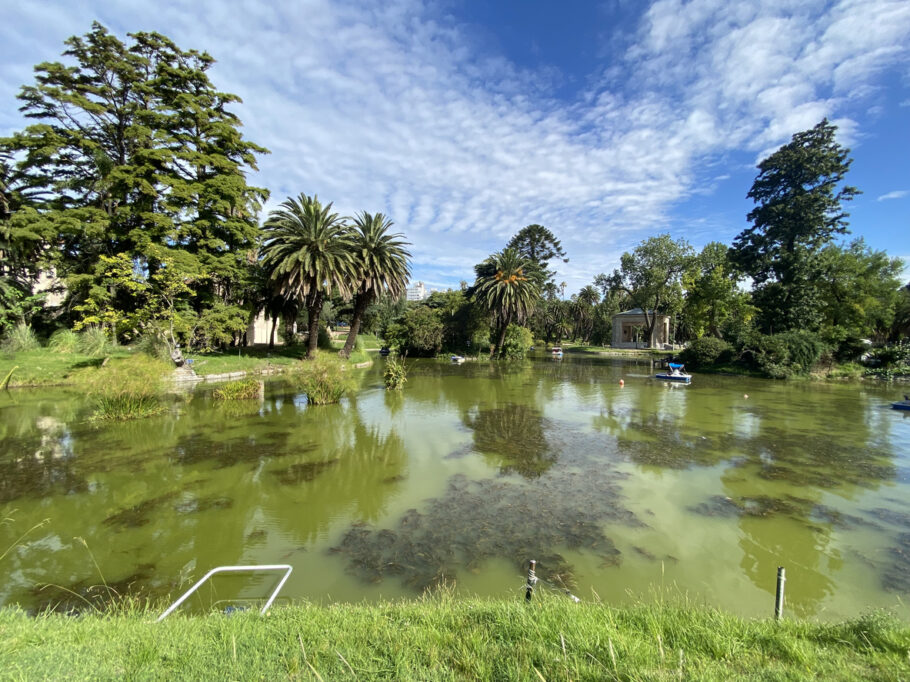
(244, 389)
(129, 388)
(480, 341)
(780, 356)
(707, 350)
(63, 341)
(890, 356)
(94, 341)
(155, 347)
(324, 339)
(20, 339)
(395, 375)
(517, 341)
(323, 379)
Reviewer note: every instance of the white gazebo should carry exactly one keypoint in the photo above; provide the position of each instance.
(630, 330)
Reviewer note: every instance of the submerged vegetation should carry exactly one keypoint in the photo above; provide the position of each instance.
(395, 374)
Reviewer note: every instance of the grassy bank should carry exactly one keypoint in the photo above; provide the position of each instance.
(441, 638)
(46, 367)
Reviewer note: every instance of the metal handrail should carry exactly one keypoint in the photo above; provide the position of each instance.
(287, 568)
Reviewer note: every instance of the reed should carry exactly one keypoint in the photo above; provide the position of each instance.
(244, 389)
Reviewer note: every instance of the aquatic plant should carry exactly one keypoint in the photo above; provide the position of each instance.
(395, 374)
(323, 379)
(128, 388)
(243, 389)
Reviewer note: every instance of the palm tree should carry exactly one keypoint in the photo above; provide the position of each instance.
(382, 265)
(307, 251)
(505, 288)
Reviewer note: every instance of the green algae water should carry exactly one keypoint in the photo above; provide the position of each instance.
(620, 493)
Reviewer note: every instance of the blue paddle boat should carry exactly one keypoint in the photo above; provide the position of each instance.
(902, 404)
(676, 372)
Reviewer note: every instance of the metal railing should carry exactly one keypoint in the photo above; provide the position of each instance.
(287, 568)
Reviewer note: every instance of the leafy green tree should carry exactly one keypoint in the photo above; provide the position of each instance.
(133, 148)
(381, 261)
(308, 251)
(859, 292)
(538, 244)
(507, 287)
(651, 277)
(418, 332)
(712, 292)
(799, 196)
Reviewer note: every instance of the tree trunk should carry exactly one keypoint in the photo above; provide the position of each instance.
(272, 333)
(360, 306)
(502, 336)
(313, 312)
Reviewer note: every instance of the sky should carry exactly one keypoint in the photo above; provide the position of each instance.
(463, 121)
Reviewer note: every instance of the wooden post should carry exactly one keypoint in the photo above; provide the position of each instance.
(779, 597)
(532, 580)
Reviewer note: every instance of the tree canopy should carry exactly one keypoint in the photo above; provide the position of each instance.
(539, 245)
(798, 195)
(134, 153)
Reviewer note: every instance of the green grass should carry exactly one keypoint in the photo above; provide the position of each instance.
(569, 347)
(44, 367)
(440, 638)
(252, 359)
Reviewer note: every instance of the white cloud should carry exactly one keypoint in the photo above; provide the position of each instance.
(898, 194)
(393, 107)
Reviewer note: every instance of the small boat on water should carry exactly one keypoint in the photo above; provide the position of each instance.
(457, 359)
(902, 404)
(384, 351)
(676, 372)
(557, 351)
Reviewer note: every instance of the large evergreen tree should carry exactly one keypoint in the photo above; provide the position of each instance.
(136, 153)
(799, 196)
(539, 245)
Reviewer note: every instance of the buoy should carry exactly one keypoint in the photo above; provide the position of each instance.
(622, 383)
(746, 396)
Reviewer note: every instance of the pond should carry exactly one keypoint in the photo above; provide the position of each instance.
(621, 493)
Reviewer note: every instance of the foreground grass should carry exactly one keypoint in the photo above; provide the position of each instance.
(446, 639)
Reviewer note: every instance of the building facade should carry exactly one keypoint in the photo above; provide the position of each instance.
(418, 292)
(630, 330)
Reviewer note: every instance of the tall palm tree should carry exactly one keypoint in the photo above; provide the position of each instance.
(307, 250)
(505, 288)
(382, 265)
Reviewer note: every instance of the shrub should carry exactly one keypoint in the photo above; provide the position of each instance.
(780, 356)
(20, 339)
(63, 341)
(396, 374)
(155, 347)
(94, 341)
(244, 389)
(707, 350)
(419, 332)
(480, 341)
(324, 339)
(891, 356)
(128, 388)
(323, 379)
(517, 341)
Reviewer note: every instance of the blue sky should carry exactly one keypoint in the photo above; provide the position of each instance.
(464, 121)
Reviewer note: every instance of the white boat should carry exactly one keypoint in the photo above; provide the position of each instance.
(458, 359)
(557, 351)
